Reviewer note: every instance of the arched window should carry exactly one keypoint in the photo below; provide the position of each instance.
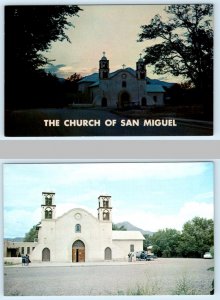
(46, 254)
(106, 215)
(108, 253)
(48, 213)
(78, 228)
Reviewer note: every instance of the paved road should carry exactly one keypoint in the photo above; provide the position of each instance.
(160, 277)
(32, 123)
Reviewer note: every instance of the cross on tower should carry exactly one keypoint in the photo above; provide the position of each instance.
(123, 66)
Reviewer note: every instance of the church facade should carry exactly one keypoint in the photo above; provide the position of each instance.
(78, 236)
(123, 88)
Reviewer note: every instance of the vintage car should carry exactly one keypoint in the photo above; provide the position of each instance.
(143, 255)
(207, 255)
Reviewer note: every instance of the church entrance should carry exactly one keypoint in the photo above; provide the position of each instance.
(46, 254)
(78, 251)
(104, 102)
(143, 102)
(124, 99)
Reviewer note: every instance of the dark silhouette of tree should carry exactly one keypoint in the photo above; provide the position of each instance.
(30, 31)
(183, 45)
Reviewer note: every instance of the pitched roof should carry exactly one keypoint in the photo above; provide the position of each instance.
(154, 88)
(127, 235)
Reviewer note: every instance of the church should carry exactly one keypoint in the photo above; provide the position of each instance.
(78, 236)
(123, 88)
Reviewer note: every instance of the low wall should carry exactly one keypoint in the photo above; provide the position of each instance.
(12, 260)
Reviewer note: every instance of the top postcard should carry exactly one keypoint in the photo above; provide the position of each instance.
(109, 70)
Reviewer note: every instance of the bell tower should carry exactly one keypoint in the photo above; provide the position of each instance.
(48, 208)
(103, 67)
(105, 209)
(140, 69)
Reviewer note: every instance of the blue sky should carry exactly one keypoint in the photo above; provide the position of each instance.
(151, 196)
(110, 28)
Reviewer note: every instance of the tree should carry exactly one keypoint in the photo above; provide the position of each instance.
(165, 242)
(184, 44)
(31, 234)
(197, 237)
(29, 32)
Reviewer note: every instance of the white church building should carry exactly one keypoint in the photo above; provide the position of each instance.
(123, 88)
(78, 236)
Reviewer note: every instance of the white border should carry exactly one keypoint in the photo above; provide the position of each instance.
(216, 125)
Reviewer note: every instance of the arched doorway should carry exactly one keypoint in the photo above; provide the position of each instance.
(124, 99)
(143, 101)
(104, 102)
(46, 254)
(78, 251)
(108, 253)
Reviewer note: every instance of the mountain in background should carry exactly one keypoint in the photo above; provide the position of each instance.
(131, 227)
(16, 239)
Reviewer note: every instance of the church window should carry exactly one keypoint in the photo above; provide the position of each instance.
(131, 248)
(28, 250)
(105, 203)
(48, 213)
(106, 215)
(155, 98)
(124, 84)
(105, 74)
(78, 228)
(48, 200)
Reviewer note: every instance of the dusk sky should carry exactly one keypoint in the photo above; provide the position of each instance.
(110, 28)
(151, 196)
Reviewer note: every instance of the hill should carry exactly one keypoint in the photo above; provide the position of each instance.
(131, 227)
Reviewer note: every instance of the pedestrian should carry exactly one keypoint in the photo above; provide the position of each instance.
(23, 260)
(27, 260)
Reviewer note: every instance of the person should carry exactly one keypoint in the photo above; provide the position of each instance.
(23, 260)
(27, 259)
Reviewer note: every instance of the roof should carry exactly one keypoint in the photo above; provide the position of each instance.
(154, 88)
(153, 85)
(127, 235)
(90, 78)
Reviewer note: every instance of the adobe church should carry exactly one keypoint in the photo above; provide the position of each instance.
(123, 88)
(78, 236)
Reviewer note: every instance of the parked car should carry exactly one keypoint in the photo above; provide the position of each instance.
(142, 255)
(207, 255)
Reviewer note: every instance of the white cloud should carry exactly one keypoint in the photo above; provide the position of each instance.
(69, 174)
(158, 220)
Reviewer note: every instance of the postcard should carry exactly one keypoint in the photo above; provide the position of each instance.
(109, 70)
(109, 229)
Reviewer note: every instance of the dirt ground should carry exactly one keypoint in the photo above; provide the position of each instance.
(171, 276)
